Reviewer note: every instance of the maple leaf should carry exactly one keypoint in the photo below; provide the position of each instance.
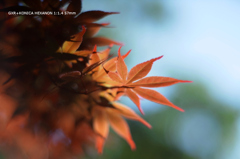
(134, 80)
(103, 117)
(71, 47)
(100, 74)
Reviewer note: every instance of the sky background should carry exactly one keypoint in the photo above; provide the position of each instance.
(199, 40)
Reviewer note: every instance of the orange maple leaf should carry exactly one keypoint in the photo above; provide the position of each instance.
(100, 74)
(103, 117)
(133, 81)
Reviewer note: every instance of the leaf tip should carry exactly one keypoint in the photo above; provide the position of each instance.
(186, 81)
(99, 145)
(145, 123)
(132, 144)
(95, 49)
(180, 109)
(121, 44)
(105, 24)
(110, 46)
(140, 109)
(115, 12)
(119, 51)
(148, 125)
(157, 58)
(124, 56)
(175, 107)
(83, 29)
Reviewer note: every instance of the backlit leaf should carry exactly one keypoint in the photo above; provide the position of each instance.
(105, 53)
(100, 123)
(115, 77)
(128, 113)
(99, 144)
(124, 56)
(91, 31)
(141, 70)
(94, 58)
(156, 81)
(120, 126)
(156, 97)
(71, 47)
(92, 67)
(134, 97)
(83, 53)
(121, 67)
(108, 66)
(120, 92)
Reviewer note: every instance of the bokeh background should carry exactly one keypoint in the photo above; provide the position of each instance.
(200, 42)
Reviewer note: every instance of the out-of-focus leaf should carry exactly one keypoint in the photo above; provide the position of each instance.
(101, 127)
(88, 25)
(92, 30)
(70, 74)
(99, 144)
(129, 113)
(120, 126)
(105, 53)
(91, 16)
(92, 67)
(104, 102)
(100, 124)
(94, 57)
(75, 6)
(71, 47)
(83, 53)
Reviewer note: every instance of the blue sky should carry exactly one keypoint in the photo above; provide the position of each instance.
(209, 33)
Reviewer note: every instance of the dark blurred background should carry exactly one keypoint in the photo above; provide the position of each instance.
(200, 42)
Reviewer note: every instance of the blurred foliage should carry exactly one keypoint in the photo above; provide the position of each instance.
(164, 140)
